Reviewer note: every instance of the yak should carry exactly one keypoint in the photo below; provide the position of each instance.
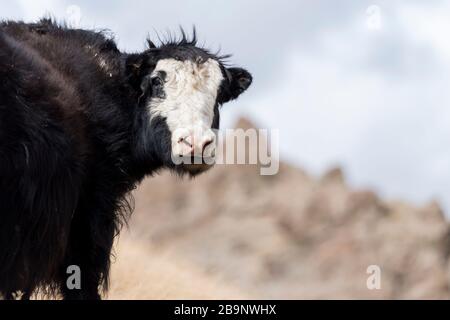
(81, 124)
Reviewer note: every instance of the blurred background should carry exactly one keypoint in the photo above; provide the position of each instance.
(359, 93)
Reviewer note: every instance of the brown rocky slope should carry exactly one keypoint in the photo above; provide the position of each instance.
(288, 236)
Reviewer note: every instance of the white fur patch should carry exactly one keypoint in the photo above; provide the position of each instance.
(190, 94)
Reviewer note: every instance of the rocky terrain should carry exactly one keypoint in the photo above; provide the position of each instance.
(232, 233)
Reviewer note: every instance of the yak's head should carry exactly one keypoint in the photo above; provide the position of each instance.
(182, 88)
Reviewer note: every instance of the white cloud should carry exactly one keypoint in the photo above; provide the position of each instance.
(34, 9)
(429, 25)
(369, 101)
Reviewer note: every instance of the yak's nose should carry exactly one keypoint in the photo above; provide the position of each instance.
(194, 144)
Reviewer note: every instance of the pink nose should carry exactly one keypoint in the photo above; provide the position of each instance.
(194, 146)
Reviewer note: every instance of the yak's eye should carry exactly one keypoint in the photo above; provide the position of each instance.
(158, 87)
(157, 82)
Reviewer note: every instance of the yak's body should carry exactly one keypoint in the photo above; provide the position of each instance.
(80, 125)
(65, 130)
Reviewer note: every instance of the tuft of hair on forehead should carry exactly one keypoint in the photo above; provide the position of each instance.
(174, 40)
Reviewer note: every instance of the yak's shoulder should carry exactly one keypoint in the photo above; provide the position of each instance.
(98, 40)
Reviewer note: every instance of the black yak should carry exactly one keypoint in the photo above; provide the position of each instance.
(81, 124)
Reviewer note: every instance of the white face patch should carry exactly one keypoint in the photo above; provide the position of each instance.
(190, 95)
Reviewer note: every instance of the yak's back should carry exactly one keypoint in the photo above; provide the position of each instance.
(70, 73)
(80, 54)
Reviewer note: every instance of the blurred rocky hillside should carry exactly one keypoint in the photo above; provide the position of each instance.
(288, 236)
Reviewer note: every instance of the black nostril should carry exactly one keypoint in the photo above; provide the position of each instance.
(207, 143)
(183, 140)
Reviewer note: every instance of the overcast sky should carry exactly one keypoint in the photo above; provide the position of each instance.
(361, 84)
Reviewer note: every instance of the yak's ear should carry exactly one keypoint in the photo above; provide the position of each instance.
(239, 80)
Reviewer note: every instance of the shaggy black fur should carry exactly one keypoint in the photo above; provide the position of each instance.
(75, 139)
